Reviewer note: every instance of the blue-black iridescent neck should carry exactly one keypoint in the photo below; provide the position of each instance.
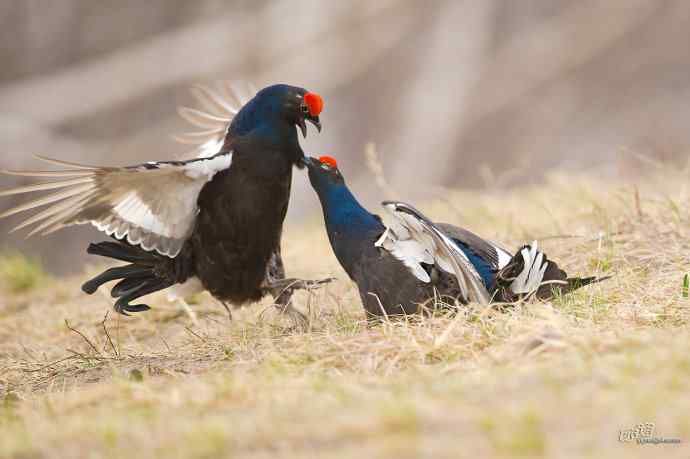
(344, 215)
(351, 229)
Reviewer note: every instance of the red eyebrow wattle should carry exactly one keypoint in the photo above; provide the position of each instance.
(314, 103)
(329, 160)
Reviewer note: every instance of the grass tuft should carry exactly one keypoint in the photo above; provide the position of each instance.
(537, 379)
(20, 274)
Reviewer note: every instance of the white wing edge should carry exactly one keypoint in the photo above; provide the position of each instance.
(74, 196)
(434, 247)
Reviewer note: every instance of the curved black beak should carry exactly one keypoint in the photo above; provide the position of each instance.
(313, 120)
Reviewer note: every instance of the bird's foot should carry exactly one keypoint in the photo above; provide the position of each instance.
(289, 285)
(282, 291)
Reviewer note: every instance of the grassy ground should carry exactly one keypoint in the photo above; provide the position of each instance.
(557, 379)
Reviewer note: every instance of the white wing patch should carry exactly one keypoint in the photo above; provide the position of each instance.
(136, 212)
(152, 205)
(409, 251)
(413, 239)
(533, 271)
(503, 256)
(208, 168)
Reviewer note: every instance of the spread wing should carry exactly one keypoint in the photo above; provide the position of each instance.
(414, 239)
(495, 255)
(217, 107)
(152, 205)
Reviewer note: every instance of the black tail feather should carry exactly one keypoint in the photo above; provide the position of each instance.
(146, 287)
(129, 284)
(575, 283)
(123, 252)
(119, 272)
(147, 273)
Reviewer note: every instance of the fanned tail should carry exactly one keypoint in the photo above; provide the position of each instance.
(147, 272)
(530, 272)
(218, 104)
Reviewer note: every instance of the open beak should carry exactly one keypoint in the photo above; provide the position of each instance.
(313, 120)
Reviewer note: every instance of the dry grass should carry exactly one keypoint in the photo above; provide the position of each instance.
(543, 380)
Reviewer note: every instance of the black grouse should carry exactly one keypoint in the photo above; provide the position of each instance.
(402, 268)
(214, 220)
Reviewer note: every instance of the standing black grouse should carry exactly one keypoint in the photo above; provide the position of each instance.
(402, 267)
(217, 218)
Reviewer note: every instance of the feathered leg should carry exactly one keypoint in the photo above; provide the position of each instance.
(227, 308)
(282, 296)
(282, 288)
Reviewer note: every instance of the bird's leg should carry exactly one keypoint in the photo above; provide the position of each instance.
(281, 289)
(186, 308)
(227, 308)
(291, 284)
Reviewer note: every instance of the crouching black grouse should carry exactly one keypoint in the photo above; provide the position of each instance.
(216, 219)
(400, 268)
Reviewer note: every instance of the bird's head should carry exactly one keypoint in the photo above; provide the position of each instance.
(323, 173)
(344, 215)
(276, 111)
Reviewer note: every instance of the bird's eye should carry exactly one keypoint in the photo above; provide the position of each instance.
(304, 109)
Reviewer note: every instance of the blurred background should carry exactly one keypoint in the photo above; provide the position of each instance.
(464, 94)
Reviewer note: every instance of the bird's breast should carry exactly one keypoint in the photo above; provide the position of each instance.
(238, 228)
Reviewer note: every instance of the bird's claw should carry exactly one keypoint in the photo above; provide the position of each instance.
(282, 291)
(310, 284)
(290, 285)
